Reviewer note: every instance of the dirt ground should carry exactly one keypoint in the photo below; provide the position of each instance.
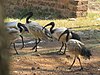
(47, 62)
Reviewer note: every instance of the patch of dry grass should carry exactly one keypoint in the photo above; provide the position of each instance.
(92, 20)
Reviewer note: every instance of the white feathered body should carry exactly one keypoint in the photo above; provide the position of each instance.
(58, 32)
(14, 24)
(74, 46)
(36, 30)
(11, 24)
(77, 48)
(13, 34)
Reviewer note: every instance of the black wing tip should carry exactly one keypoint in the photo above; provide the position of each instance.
(86, 53)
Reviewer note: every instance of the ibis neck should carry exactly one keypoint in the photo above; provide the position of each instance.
(65, 32)
(51, 29)
(67, 37)
(30, 15)
(21, 27)
(27, 19)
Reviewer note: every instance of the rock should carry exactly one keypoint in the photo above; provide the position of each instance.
(33, 68)
(38, 67)
(57, 67)
(34, 74)
(72, 19)
(98, 19)
(99, 69)
(15, 71)
(38, 54)
(67, 56)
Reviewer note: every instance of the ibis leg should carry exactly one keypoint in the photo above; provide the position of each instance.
(22, 41)
(72, 63)
(61, 47)
(80, 63)
(37, 44)
(35, 47)
(15, 48)
(65, 49)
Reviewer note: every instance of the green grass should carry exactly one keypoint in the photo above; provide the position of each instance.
(90, 20)
(97, 0)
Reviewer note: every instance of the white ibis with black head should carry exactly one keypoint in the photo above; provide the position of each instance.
(13, 36)
(77, 48)
(35, 29)
(18, 26)
(62, 34)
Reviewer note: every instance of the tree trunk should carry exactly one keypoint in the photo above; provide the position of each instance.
(4, 52)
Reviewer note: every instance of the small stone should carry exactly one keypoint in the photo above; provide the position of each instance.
(99, 69)
(33, 68)
(38, 55)
(98, 19)
(57, 67)
(34, 74)
(67, 56)
(38, 67)
(72, 19)
(65, 62)
(35, 63)
(77, 73)
(16, 71)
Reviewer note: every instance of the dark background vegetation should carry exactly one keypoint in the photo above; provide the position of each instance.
(46, 9)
